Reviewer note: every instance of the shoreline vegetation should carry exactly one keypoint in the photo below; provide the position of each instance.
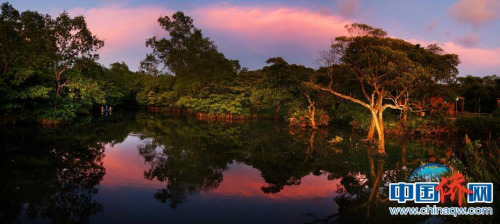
(373, 83)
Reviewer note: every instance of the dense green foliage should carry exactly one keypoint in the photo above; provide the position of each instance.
(194, 59)
(40, 55)
(49, 70)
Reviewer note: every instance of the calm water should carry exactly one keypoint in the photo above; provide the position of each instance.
(153, 168)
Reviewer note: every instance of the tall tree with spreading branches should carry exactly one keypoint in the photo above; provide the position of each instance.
(384, 68)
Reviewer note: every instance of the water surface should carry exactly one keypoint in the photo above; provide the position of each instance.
(157, 168)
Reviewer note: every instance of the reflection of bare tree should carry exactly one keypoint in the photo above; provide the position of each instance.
(375, 198)
(310, 146)
(364, 198)
(358, 195)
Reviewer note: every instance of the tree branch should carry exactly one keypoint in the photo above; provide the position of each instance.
(339, 94)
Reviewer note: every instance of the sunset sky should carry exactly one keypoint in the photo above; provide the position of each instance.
(253, 31)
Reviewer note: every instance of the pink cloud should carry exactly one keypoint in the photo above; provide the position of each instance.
(260, 28)
(475, 60)
(475, 12)
(469, 40)
(122, 27)
(261, 31)
(253, 34)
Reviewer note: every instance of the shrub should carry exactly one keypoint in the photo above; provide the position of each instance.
(299, 119)
(355, 115)
(433, 125)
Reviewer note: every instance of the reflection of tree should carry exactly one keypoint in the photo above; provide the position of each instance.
(62, 190)
(285, 157)
(189, 157)
(281, 163)
(53, 173)
(76, 178)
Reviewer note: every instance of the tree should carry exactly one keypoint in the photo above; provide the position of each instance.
(383, 68)
(278, 87)
(158, 91)
(40, 57)
(479, 93)
(192, 58)
(440, 71)
(73, 41)
(24, 54)
(121, 85)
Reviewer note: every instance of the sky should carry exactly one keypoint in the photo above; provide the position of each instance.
(297, 30)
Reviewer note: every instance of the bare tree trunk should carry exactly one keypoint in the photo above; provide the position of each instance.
(404, 116)
(381, 136)
(58, 88)
(371, 131)
(313, 122)
(312, 113)
(311, 109)
(376, 112)
(379, 125)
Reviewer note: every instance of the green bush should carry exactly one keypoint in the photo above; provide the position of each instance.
(64, 112)
(217, 104)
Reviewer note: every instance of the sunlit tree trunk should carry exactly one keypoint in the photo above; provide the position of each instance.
(311, 108)
(381, 136)
(371, 131)
(376, 108)
(312, 112)
(379, 126)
